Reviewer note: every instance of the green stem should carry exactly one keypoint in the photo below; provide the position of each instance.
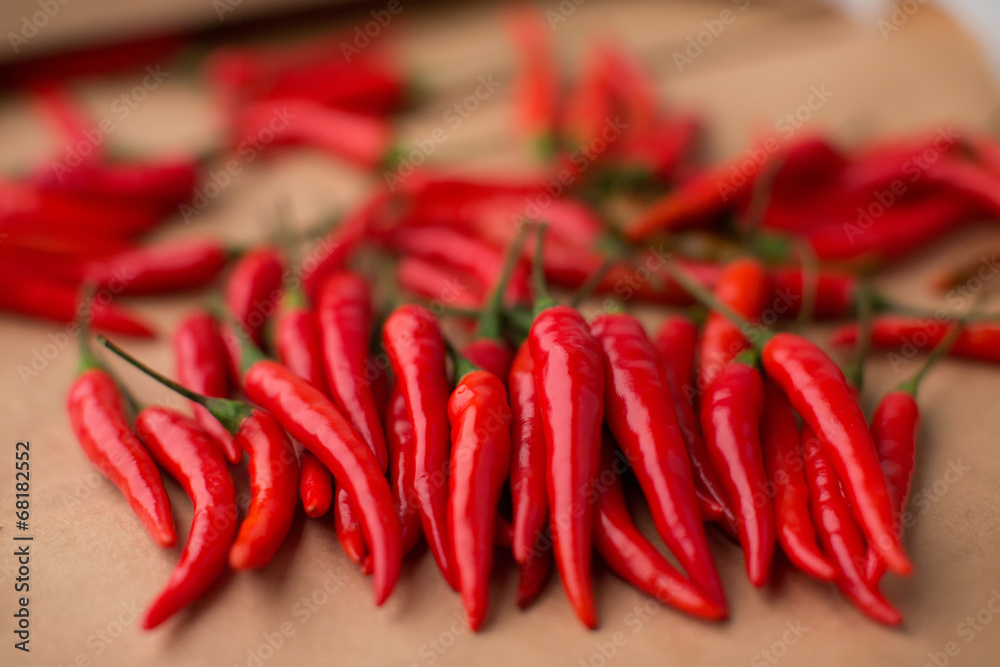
(88, 360)
(855, 371)
(543, 300)
(810, 281)
(490, 317)
(229, 413)
(592, 282)
(463, 365)
(939, 352)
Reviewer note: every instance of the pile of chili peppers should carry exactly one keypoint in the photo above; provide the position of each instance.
(349, 400)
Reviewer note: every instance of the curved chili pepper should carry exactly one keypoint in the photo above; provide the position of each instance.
(818, 391)
(97, 414)
(527, 466)
(399, 438)
(589, 106)
(274, 479)
(630, 555)
(742, 287)
(838, 533)
(977, 340)
(314, 421)
(480, 457)
(188, 454)
(37, 296)
(730, 418)
(359, 138)
(315, 485)
(781, 445)
(345, 317)
(253, 290)
(640, 414)
(363, 86)
(68, 118)
(569, 379)
(201, 365)
(296, 339)
(498, 220)
(162, 268)
(533, 574)
(676, 341)
(413, 341)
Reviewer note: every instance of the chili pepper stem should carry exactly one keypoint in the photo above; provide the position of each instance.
(855, 370)
(229, 413)
(939, 352)
(490, 317)
(88, 360)
(543, 300)
(592, 282)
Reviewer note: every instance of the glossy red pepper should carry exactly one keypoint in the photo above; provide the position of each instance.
(253, 290)
(97, 414)
(480, 459)
(201, 365)
(977, 340)
(569, 379)
(315, 485)
(399, 438)
(347, 525)
(37, 296)
(818, 391)
(358, 138)
(676, 341)
(781, 445)
(297, 340)
(274, 482)
(640, 414)
(162, 268)
(742, 287)
(189, 455)
(412, 339)
(834, 297)
(527, 466)
(630, 555)
(838, 532)
(314, 421)
(730, 419)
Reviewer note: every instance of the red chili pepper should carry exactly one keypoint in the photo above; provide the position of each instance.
(75, 245)
(730, 418)
(676, 342)
(818, 391)
(780, 441)
(253, 290)
(498, 219)
(97, 413)
(439, 284)
(332, 253)
(533, 574)
(189, 455)
(274, 481)
(838, 533)
(640, 414)
(480, 459)
(978, 340)
(589, 107)
(169, 182)
(315, 485)
(314, 421)
(569, 378)
(361, 139)
(37, 296)
(630, 555)
(537, 84)
(347, 525)
(657, 153)
(416, 349)
(743, 287)
(468, 254)
(363, 86)
(835, 293)
(527, 466)
(297, 340)
(162, 268)
(201, 365)
(68, 119)
(399, 438)
(632, 89)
